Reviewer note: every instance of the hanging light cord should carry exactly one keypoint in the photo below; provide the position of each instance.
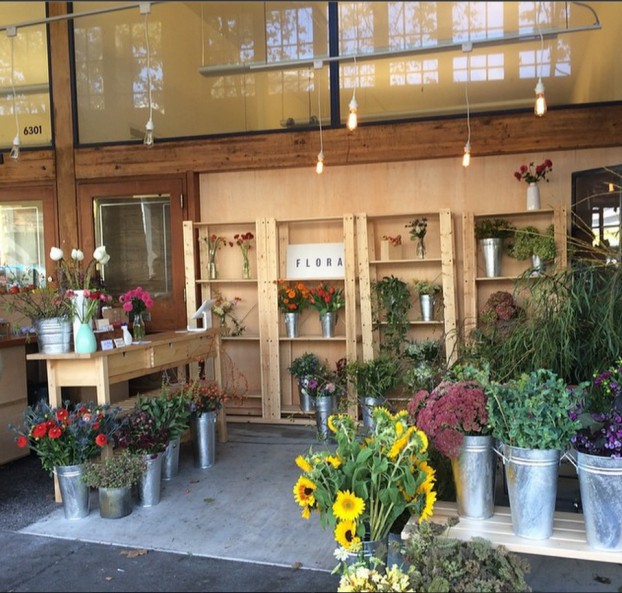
(356, 80)
(148, 64)
(468, 109)
(319, 114)
(13, 85)
(541, 40)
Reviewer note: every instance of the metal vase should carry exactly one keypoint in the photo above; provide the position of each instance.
(370, 549)
(73, 490)
(600, 484)
(328, 321)
(203, 430)
(426, 302)
(307, 401)
(368, 403)
(115, 503)
(474, 472)
(291, 324)
(531, 476)
(493, 251)
(325, 406)
(170, 465)
(150, 484)
(53, 335)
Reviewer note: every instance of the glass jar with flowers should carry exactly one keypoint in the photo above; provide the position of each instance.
(532, 174)
(204, 398)
(292, 299)
(243, 241)
(362, 487)
(65, 438)
(136, 302)
(455, 418)
(327, 300)
(223, 309)
(418, 230)
(214, 243)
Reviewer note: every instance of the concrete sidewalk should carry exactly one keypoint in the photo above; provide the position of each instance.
(232, 527)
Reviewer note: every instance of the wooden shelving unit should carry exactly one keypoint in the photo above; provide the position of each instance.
(477, 287)
(438, 266)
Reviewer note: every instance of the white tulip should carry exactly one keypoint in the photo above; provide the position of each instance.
(56, 254)
(77, 254)
(105, 260)
(100, 254)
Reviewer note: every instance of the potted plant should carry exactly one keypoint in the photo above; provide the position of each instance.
(114, 477)
(367, 482)
(327, 301)
(391, 302)
(310, 372)
(142, 433)
(292, 298)
(454, 415)
(65, 438)
(427, 291)
(492, 234)
(170, 410)
(529, 242)
(372, 380)
(598, 446)
(204, 398)
(534, 417)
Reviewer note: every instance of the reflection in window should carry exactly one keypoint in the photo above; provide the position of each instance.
(136, 231)
(89, 67)
(22, 257)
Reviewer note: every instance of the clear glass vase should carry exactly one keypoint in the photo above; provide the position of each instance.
(420, 248)
(246, 268)
(138, 327)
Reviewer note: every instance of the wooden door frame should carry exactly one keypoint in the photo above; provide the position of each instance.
(168, 314)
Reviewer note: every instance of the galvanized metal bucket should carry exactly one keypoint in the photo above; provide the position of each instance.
(493, 251)
(367, 407)
(328, 321)
(170, 465)
(203, 429)
(531, 476)
(150, 484)
(370, 549)
(474, 472)
(53, 335)
(307, 401)
(73, 491)
(600, 484)
(115, 503)
(426, 303)
(291, 324)
(325, 406)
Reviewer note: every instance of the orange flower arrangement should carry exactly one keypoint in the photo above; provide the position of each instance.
(292, 297)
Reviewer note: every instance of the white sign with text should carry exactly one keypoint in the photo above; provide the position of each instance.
(315, 260)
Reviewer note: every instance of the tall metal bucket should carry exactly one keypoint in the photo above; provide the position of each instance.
(150, 485)
(531, 476)
(493, 251)
(600, 484)
(53, 335)
(474, 472)
(170, 465)
(74, 492)
(325, 406)
(203, 429)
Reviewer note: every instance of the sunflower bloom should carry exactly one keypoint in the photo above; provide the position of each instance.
(303, 464)
(348, 506)
(334, 461)
(345, 534)
(397, 447)
(306, 512)
(428, 510)
(303, 492)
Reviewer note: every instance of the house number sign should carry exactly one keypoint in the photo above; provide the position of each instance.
(315, 260)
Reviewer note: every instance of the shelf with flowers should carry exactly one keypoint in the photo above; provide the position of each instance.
(293, 299)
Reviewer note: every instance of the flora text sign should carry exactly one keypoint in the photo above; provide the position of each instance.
(315, 260)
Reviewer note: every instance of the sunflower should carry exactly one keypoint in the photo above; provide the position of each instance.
(345, 534)
(303, 492)
(430, 499)
(303, 464)
(348, 506)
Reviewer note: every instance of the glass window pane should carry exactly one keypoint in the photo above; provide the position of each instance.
(136, 231)
(22, 251)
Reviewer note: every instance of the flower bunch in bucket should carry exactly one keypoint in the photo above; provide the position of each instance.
(203, 395)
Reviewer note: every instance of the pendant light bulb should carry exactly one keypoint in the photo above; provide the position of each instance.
(148, 141)
(319, 167)
(14, 154)
(353, 117)
(466, 157)
(540, 106)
